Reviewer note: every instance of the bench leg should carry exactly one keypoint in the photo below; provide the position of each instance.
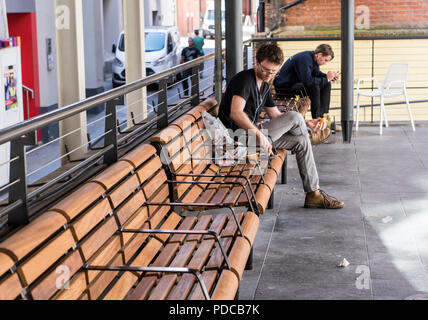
(284, 171)
(271, 200)
(249, 265)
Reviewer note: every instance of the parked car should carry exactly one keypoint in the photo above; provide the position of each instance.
(208, 22)
(162, 52)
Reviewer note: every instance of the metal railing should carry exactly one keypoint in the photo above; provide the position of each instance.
(162, 106)
(28, 91)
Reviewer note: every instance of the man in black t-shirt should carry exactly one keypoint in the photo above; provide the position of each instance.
(246, 94)
(189, 53)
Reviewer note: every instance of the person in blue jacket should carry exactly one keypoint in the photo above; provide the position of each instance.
(301, 75)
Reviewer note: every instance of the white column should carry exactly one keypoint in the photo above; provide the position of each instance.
(71, 73)
(94, 46)
(134, 56)
(4, 31)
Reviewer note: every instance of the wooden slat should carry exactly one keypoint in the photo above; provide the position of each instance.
(201, 255)
(138, 221)
(135, 243)
(99, 237)
(143, 288)
(233, 196)
(113, 174)
(44, 258)
(193, 194)
(239, 255)
(130, 207)
(49, 285)
(32, 235)
(148, 169)
(220, 195)
(163, 287)
(217, 259)
(231, 227)
(109, 252)
(75, 203)
(202, 224)
(187, 224)
(6, 263)
(121, 287)
(161, 196)
(250, 225)
(166, 255)
(10, 288)
(94, 216)
(184, 255)
(140, 154)
(218, 224)
(76, 287)
(209, 278)
(156, 218)
(104, 278)
(183, 287)
(153, 185)
(226, 286)
(124, 190)
(148, 253)
(166, 135)
(171, 222)
(262, 196)
(206, 196)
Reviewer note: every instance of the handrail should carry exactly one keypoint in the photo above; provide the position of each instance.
(20, 129)
(29, 90)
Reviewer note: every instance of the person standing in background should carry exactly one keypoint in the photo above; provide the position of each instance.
(189, 53)
(199, 44)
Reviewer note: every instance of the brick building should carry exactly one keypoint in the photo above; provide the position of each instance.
(313, 14)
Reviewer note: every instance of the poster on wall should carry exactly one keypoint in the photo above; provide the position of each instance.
(10, 84)
(11, 102)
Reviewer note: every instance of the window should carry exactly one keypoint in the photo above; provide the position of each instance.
(155, 41)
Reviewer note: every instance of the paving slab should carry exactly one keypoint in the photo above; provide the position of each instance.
(381, 231)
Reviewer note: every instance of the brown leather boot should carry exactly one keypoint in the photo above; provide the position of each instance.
(320, 136)
(320, 199)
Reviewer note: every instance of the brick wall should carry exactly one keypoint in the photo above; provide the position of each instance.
(326, 13)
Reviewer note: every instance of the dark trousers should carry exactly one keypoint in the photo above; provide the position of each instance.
(185, 77)
(319, 95)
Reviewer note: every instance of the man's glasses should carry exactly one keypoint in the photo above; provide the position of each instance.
(268, 71)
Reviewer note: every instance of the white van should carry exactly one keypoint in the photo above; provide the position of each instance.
(208, 25)
(162, 52)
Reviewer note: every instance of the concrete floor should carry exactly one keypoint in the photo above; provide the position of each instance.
(382, 230)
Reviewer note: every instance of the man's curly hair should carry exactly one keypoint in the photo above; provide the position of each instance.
(270, 52)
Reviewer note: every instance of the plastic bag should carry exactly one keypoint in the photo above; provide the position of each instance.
(216, 129)
(221, 137)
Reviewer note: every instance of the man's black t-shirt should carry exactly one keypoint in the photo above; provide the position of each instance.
(190, 53)
(244, 84)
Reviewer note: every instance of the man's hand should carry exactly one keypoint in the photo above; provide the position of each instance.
(333, 76)
(265, 144)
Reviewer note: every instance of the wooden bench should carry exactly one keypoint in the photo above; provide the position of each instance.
(118, 237)
(187, 151)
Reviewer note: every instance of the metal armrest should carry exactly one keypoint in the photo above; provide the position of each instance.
(212, 205)
(165, 231)
(196, 273)
(248, 182)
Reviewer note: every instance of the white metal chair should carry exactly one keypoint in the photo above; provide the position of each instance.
(393, 85)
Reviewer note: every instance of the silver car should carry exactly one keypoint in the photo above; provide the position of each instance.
(162, 52)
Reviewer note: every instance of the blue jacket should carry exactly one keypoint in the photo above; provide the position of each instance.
(300, 68)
